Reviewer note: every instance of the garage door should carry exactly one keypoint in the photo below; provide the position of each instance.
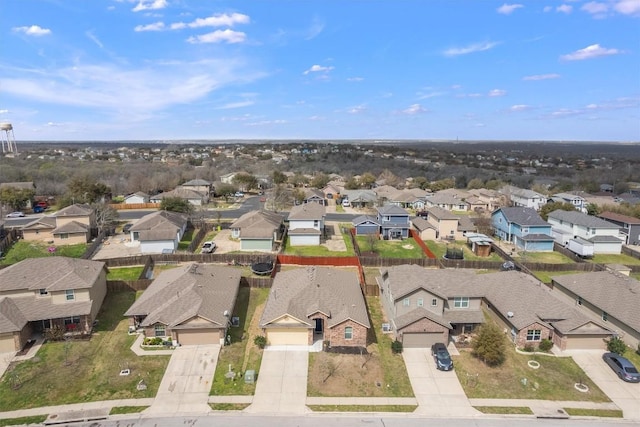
(287, 337)
(420, 339)
(198, 336)
(585, 342)
(6, 343)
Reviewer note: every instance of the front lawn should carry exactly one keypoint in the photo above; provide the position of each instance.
(242, 353)
(85, 371)
(25, 249)
(406, 248)
(124, 273)
(554, 380)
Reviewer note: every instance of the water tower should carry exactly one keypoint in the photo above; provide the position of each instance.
(8, 140)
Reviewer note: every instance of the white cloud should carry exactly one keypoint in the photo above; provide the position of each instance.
(414, 109)
(536, 77)
(4, 111)
(156, 26)
(496, 92)
(602, 9)
(627, 7)
(33, 30)
(150, 5)
(476, 47)
(317, 118)
(593, 51)
(508, 9)
(218, 20)
(564, 8)
(519, 107)
(357, 109)
(238, 104)
(547, 9)
(317, 26)
(355, 79)
(94, 39)
(595, 8)
(219, 36)
(318, 69)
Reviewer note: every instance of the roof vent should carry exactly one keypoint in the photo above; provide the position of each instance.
(509, 314)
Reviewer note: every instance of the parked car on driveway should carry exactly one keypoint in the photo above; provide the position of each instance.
(208, 247)
(127, 228)
(622, 367)
(15, 215)
(441, 356)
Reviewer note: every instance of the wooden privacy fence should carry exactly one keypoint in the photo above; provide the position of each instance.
(631, 252)
(415, 236)
(128, 285)
(123, 206)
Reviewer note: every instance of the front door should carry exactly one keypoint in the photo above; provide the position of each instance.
(318, 328)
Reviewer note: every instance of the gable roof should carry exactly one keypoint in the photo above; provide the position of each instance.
(11, 319)
(159, 225)
(521, 192)
(42, 223)
(313, 193)
(359, 220)
(614, 293)
(51, 273)
(303, 292)
(72, 227)
(421, 224)
(392, 210)
(440, 213)
(579, 218)
(193, 290)
(181, 193)
(74, 210)
(419, 313)
(522, 216)
(619, 217)
(307, 211)
(258, 224)
(196, 183)
(137, 194)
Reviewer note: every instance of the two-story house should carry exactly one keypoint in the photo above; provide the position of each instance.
(37, 294)
(445, 224)
(629, 226)
(524, 198)
(199, 185)
(394, 222)
(605, 236)
(523, 227)
(71, 225)
(578, 202)
(306, 224)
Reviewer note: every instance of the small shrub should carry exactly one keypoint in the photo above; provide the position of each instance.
(396, 347)
(54, 333)
(260, 341)
(490, 345)
(529, 348)
(616, 345)
(545, 345)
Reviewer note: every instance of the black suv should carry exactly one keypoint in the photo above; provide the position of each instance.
(441, 356)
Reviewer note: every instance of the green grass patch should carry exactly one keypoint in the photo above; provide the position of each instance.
(24, 249)
(505, 410)
(315, 250)
(439, 249)
(187, 237)
(615, 259)
(229, 406)
(34, 419)
(92, 366)
(124, 273)
(406, 248)
(362, 408)
(543, 257)
(554, 380)
(587, 412)
(545, 276)
(116, 410)
(242, 354)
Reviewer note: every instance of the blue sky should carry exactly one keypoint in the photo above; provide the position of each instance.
(321, 69)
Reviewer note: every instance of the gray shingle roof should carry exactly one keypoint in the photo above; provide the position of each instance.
(51, 273)
(193, 290)
(11, 319)
(418, 314)
(159, 225)
(364, 218)
(43, 223)
(523, 216)
(439, 213)
(579, 218)
(392, 210)
(71, 227)
(74, 210)
(196, 183)
(303, 292)
(421, 224)
(307, 211)
(613, 293)
(605, 239)
(619, 217)
(258, 224)
(537, 237)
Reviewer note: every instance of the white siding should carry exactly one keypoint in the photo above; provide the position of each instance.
(157, 246)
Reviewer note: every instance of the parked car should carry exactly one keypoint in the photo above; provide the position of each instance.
(441, 356)
(15, 215)
(346, 203)
(239, 194)
(38, 209)
(208, 247)
(126, 228)
(622, 367)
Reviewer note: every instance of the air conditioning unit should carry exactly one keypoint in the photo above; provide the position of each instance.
(386, 328)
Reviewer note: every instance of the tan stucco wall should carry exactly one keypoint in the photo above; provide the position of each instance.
(73, 239)
(37, 235)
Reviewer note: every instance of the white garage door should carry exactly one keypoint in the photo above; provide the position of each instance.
(420, 339)
(6, 343)
(198, 336)
(287, 337)
(586, 342)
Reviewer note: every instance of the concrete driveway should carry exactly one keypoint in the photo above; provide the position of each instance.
(187, 381)
(224, 244)
(282, 381)
(438, 393)
(625, 395)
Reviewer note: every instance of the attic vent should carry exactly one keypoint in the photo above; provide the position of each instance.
(509, 314)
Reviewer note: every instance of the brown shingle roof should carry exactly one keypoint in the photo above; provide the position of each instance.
(43, 223)
(160, 225)
(74, 210)
(72, 227)
(307, 211)
(258, 224)
(50, 273)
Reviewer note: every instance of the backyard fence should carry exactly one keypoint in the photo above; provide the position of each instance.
(128, 285)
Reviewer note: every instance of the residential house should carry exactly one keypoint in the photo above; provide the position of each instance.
(573, 199)
(490, 198)
(315, 305)
(199, 185)
(408, 198)
(333, 190)
(629, 226)
(360, 198)
(306, 224)
(196, 198)
(520, 197)
(447, 225)
(40, 229)
(228, 178)
(37, 294)
(523, 227)
(192, 304)
(71, 225)
(425, 306)
(365, 224)
(607, 297)
(159, 232)
(447, 201)
(258, 230)
(136, 198)
(313, 195)
(394, 222)
(604, 235)
(424, 228)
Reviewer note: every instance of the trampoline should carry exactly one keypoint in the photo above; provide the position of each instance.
(262, 268)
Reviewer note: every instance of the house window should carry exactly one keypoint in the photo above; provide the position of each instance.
(316, 223)
(406, 302)
(534, 334)
(579, 301)
(605, 316)
(434, 302)
(525, 230)
(43, 292)
(420, 302)
(73, 320)
(348, 333)
(160, 331)
(136, 235)
(64, 235)
(461, 302)
(70, 294)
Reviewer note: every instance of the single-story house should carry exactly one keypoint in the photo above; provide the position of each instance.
(136, 198)
(37, 294)
(196, 198)
(312, 304)
(258, 230)
(193, 304)
(306, 224)
(425, 229)
(159, 232)
(365, 224)
(313, 195)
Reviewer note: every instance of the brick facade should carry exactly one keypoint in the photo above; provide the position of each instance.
(521, 338)
(336, 338)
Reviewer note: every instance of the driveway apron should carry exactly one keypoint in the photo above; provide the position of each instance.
(625, 395)
(187, 380)
(282, 381)
(438, 393)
